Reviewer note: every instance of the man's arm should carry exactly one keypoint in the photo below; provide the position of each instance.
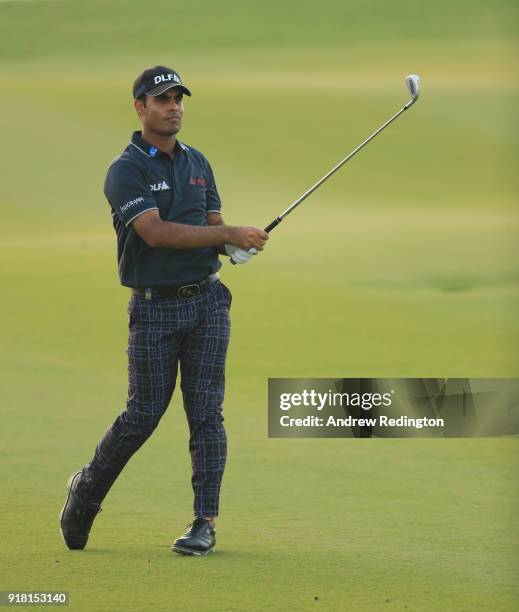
(216, 219)
(167, 234)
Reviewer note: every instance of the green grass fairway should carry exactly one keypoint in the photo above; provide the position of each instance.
(404, 264)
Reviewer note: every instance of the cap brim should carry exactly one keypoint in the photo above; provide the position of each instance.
(156, 91)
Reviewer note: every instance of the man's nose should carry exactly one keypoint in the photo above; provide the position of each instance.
(175, 104)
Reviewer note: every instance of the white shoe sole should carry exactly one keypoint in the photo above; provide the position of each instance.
(193, 553)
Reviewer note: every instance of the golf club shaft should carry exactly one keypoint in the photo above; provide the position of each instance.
(280, 218)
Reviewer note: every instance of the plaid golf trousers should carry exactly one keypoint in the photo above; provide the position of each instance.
(195, 333)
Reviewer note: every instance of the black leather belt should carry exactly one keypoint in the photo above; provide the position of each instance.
(176, 291)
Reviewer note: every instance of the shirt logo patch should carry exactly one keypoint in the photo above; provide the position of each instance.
(131, 203)
(162, 186)
(197, 180)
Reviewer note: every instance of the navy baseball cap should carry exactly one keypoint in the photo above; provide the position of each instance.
(157, 80)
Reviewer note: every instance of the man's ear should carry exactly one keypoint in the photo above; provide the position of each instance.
(139, 107)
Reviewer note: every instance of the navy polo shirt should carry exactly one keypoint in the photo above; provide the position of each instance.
(182, 189)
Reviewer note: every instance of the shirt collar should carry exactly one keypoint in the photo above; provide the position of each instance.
(150, 150)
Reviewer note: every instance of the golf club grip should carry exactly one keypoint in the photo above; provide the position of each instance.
(272, 225)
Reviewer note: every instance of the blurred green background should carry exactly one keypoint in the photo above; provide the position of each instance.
(404, 264)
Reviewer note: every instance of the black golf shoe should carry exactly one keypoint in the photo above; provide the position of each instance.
(199, 538)
(77, 517)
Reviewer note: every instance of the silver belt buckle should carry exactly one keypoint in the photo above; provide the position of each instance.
(189, 291)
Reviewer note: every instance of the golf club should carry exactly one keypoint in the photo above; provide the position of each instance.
(413, 85)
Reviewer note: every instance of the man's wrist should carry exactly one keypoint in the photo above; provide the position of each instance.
(227, 234)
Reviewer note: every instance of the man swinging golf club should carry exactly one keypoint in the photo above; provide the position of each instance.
(166, 213)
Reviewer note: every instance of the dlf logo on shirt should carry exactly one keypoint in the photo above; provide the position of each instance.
(163, 186)
(165, 78)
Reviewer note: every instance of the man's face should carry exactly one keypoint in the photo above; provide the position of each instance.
(162, 114)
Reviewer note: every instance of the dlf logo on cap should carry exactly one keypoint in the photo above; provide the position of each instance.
(157, 80)
(164, 78)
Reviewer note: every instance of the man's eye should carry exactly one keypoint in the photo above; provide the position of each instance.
(165, 98)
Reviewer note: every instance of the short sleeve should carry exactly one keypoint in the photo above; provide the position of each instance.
(212, 198)
(128, 192)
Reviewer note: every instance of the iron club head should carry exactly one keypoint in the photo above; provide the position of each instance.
(413, 85)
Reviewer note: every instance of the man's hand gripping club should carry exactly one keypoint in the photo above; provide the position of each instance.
(245, 243)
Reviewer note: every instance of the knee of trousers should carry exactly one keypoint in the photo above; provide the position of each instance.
(207, 426)
(138, 424)
(146, 409)
(199, 402)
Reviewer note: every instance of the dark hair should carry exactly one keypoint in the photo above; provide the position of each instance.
(143, 99)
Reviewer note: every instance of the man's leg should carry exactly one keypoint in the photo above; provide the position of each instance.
(202, 357)
(152, 370)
